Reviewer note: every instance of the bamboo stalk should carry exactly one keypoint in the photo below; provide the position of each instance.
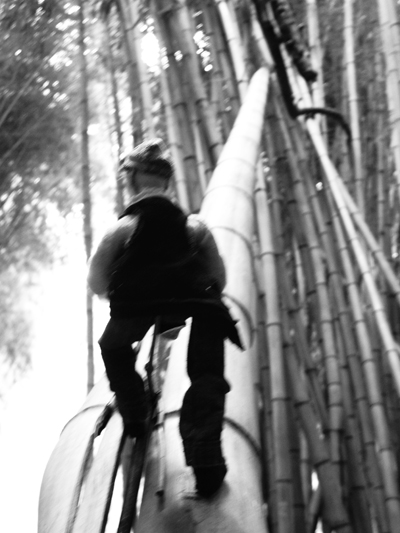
(218, 85)
(381, 429)
(194, 118)
(316, 56)
(344, 335)
(233, 38)
(217, 102)
(373, 294)
(258, 37)
(353, 102)
(353, 472)
(143, 84)
(233, 182)
(231, 171)
(266, 435)
(388, 482)
(306, 474)
(279, 397)
(371, 389)
(371, 242)
(214, 31)
(388, 26)
(317, 451)
(334, 513)
(359, 254)
(182, 28)
(288, 303)
(200, 152)
(351, 359)
(335, 409)
(179, 108)
(382, 197)
(134, 94)
(116, 112)
(299, 509)
(174, 144)
(314, 510)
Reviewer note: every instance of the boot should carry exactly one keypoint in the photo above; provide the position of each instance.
(209, 479)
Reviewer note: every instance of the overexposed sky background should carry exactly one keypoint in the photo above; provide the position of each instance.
(35, 410)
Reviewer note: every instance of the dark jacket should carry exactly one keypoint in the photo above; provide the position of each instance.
(170, 265)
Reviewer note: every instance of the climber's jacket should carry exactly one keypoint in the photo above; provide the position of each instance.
(170, 265)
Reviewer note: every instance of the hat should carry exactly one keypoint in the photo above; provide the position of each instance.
(148, 157)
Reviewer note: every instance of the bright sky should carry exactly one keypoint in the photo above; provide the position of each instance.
(36, 409)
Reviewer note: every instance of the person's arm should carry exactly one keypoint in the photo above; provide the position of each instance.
(209, 251)
(108, 250)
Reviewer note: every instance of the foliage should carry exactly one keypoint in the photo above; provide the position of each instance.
(16, 330)
(35, 130)
(35, 152)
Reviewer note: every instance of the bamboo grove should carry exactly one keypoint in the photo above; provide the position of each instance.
(326, 224)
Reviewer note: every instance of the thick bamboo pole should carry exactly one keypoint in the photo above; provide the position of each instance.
(228, 211)
(235, 182)
(69, 463)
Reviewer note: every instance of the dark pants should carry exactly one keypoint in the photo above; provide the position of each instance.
(203, 405)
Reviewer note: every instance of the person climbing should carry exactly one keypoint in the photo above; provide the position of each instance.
(157, 261)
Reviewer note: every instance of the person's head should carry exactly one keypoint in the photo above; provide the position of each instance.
(147, 167)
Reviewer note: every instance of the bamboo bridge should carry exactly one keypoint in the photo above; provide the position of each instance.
(285, 424)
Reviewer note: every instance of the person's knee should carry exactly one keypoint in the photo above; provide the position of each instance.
(125, 331)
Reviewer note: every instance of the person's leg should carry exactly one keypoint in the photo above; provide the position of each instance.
(119, 360)
(203, 406)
